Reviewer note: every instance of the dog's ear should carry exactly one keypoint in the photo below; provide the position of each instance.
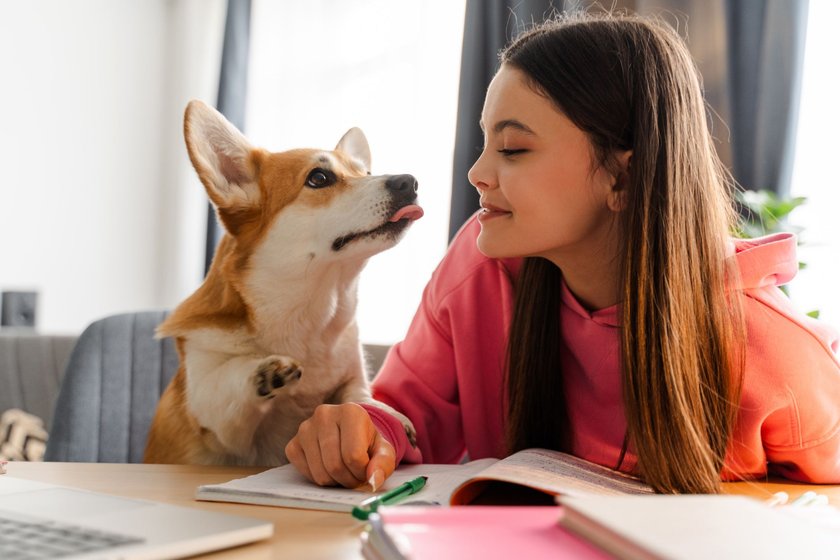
(222, 157)
(355, 145)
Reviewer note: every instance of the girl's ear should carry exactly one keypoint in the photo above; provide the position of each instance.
(617, 199)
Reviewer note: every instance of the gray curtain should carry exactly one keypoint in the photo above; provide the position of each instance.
(488, 26)
(766, 46)
(233, 81)
(749, 52)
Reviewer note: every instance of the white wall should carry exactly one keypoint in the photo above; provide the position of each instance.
(814, 171)
(99, 212)
(390, 67)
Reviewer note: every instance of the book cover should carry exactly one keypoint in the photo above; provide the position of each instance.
(486, 532)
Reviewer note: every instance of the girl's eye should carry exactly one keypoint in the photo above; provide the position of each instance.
(319, 178)
(508, 152)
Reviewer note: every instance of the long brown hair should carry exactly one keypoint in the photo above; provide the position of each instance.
(630, 84)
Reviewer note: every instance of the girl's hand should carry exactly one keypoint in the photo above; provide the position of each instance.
(339, 445)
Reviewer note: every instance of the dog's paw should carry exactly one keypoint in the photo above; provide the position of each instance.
(410, 433)
(273, 374)
(408, 426)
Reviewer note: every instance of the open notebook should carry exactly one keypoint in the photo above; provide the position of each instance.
(39, 520)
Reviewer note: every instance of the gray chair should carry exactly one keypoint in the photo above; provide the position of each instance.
(110, 390)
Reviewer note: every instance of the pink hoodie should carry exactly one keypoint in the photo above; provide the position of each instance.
(447, 375)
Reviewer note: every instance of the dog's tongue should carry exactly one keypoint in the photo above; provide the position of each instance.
(411, 212)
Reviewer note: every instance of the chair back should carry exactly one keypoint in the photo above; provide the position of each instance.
(111, 387)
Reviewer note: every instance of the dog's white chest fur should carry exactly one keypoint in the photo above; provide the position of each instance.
(250, 426)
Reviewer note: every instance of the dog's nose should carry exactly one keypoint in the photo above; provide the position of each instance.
(401, 183)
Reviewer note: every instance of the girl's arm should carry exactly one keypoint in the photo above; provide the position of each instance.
(446, 375)
(802, 438)
(418, 379)
(793, 382)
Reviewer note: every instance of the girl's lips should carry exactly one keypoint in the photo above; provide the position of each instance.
(490, 212)
(490, 208)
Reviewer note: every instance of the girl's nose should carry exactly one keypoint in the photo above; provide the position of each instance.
(477, 175)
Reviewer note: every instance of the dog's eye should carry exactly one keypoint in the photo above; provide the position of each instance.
(319, 178)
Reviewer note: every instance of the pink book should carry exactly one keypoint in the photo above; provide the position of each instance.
(486, 532)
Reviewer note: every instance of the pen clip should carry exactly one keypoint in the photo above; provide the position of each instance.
(367, 507)
(370, 505)
(361, 513)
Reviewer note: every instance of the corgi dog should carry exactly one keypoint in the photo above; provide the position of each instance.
(271, 333)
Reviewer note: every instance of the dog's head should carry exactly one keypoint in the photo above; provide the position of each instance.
(306, 203)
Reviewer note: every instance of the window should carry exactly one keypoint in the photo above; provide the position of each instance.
(392, 69)
(814, 171)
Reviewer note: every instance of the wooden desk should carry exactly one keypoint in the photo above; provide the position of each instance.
(763, 490)
(298, 533)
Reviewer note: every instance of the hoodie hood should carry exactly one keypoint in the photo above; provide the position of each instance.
(766, 261)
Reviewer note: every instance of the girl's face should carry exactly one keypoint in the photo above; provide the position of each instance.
(541, 194)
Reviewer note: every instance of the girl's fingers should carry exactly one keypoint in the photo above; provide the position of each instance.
(297, 457)
(316, 466)
(308, 436)
(331, 441)
(340, 445)
(357, 435)
(382, 461)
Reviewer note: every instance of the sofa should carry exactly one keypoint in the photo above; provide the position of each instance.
(31, 368)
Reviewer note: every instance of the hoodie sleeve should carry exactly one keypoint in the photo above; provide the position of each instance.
(789, 417)
(802, 433)
(790, 405)
(418, 379)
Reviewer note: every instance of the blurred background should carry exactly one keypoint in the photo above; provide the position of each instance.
(100, 211)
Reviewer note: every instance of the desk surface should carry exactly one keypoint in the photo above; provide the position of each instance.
(297, 533)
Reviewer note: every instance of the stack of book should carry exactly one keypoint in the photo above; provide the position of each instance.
(545, 504)
(486, 532)
(688, 527)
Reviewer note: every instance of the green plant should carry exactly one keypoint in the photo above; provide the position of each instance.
(765, 212)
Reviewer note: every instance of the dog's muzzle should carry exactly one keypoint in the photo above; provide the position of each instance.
(402, 210)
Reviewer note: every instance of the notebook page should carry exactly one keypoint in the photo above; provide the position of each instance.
(287, 482)
(561, 473)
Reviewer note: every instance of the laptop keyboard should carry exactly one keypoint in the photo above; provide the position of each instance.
(30, 539)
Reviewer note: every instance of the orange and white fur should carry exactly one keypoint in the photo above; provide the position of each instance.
(271, 333)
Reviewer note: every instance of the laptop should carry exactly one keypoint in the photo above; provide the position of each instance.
(39, 520)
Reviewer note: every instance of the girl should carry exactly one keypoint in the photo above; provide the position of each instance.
(596, 304)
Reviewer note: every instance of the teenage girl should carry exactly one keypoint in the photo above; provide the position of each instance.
(597, 303)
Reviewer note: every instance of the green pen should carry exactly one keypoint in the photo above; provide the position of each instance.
(370, 505)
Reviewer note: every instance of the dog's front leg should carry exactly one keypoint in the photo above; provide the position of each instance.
(229, 396)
